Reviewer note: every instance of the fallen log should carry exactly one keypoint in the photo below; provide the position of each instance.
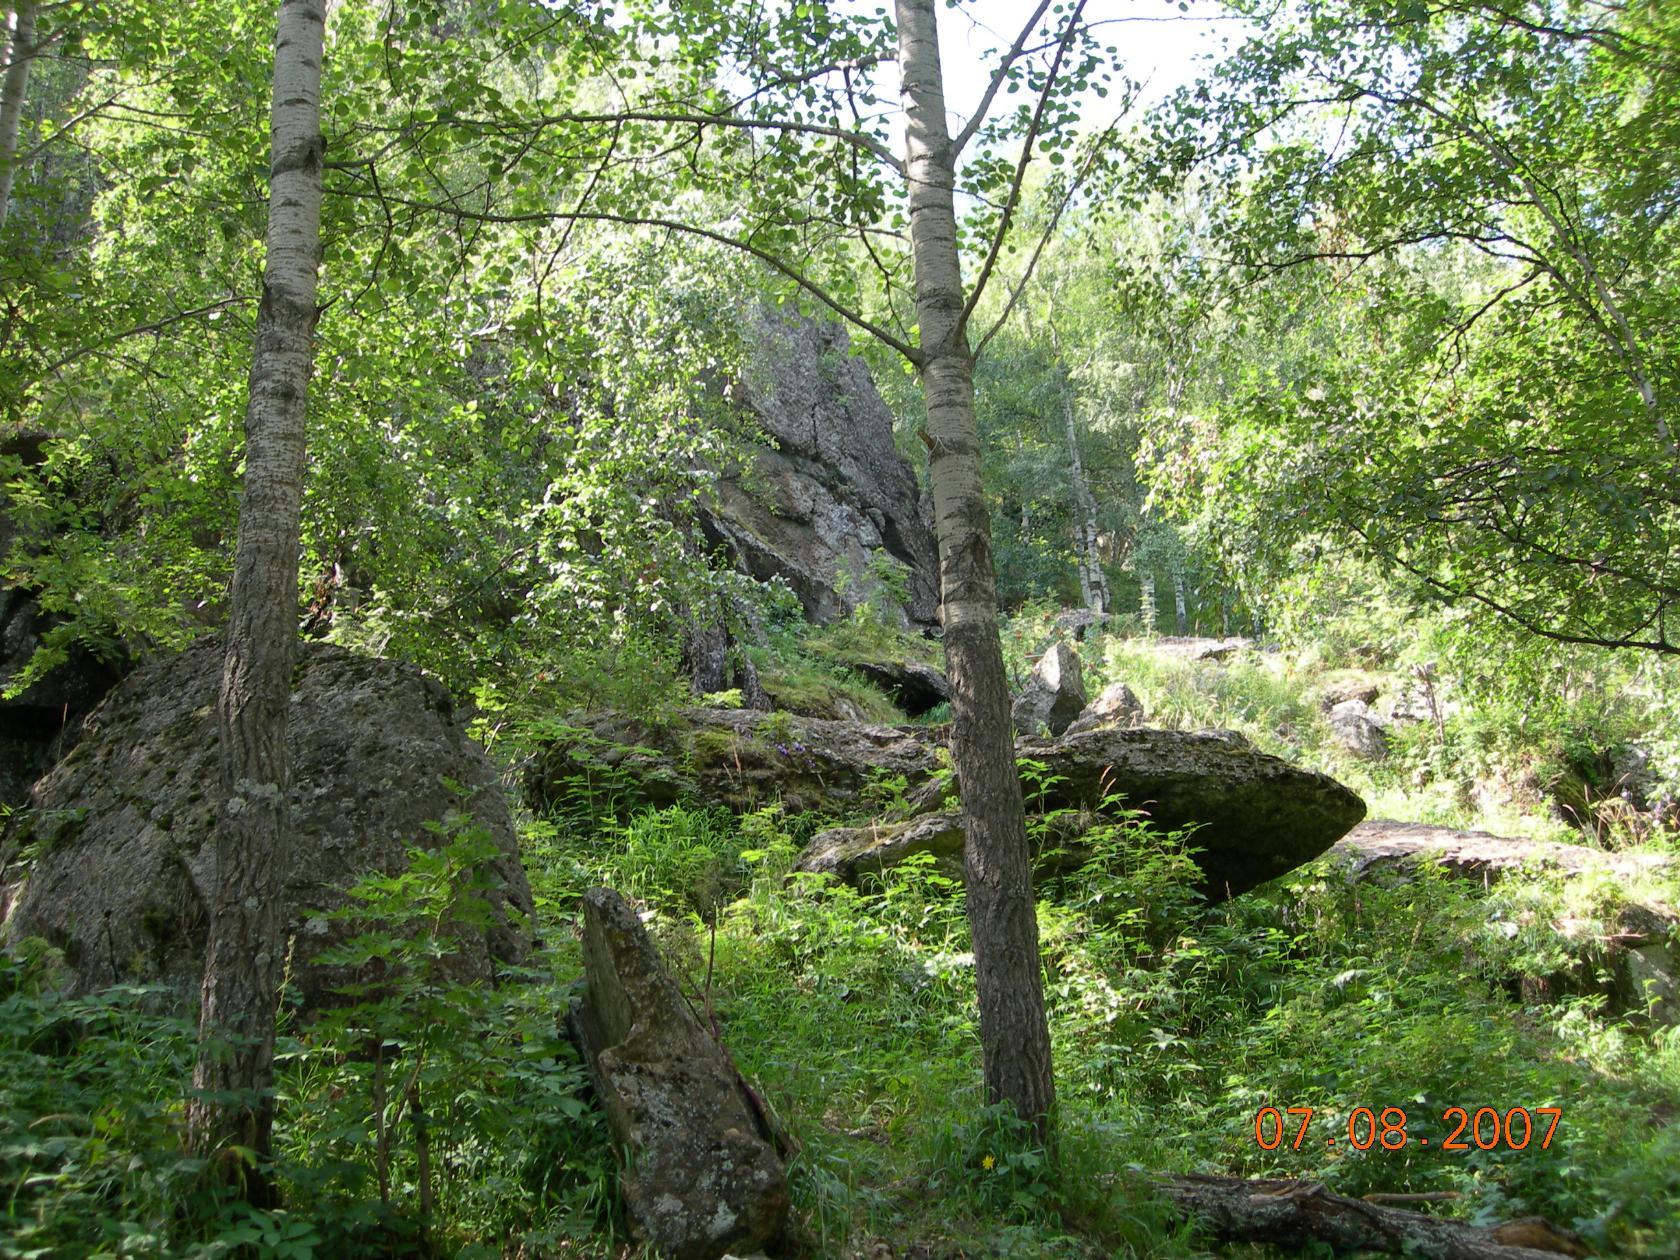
(1296, 1213)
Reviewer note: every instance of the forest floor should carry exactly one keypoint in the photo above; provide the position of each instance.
(1410, 1033)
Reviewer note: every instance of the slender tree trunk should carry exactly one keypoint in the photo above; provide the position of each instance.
(1146, 600)
(1181, 618)
(14, 86)
(1093, 582)
(233, 1079)
(1014, 1035)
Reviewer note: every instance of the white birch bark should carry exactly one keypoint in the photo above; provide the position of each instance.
(1014, 1035)
(233, 1079)
(14, 88)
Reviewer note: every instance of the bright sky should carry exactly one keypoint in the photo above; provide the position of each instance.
(1157, 44)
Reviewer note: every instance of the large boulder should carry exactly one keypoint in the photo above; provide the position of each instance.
(43, 721)
(1055, 694)
(701, 1177)
(828, 490)
(1255, 816)
(110, 860)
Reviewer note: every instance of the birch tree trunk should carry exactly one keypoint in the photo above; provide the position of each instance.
(1093, 582)
(233, 1100)
(1181, 618)
(20, 55)
(1014, 1036)
(1146, 601)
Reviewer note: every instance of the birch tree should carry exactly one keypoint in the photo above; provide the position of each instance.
(798, 171)
(232, 1105)
(20, 53)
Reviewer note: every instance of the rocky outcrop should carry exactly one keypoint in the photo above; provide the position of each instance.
(912, 686)
(1381, 844)
(1636, 963)
(728, 757)
(1256, 815)
(1055, 694)
(43, 722)
(700, 1176)
(829, 491)
(109, 861)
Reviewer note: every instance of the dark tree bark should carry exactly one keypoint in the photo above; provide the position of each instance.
(1014, 1035)
(233, 1101)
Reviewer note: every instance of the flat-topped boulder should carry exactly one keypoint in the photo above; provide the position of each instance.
(1254, 816)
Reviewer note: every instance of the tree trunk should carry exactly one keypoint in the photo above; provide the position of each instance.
(20, 55)
(1146, 601)
(1093, 582)
(1181, 618)
(232, 1081)
(1014, 1035)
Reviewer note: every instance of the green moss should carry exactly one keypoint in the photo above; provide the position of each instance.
(815, 690)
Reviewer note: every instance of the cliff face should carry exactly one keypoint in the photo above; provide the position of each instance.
(828, 490)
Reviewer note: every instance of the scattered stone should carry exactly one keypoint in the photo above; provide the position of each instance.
(701, 1178)
(1355, 730)
(1118, 705)
(1335, 693)
(1054, 695)
(914, 687)
(118, 832)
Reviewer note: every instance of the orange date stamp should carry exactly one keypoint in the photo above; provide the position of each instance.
(1465, 1129)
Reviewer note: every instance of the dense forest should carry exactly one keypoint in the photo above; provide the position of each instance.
(804, 629)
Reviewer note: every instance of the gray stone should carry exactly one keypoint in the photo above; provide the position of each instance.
(727, 757)
(1055, 694)
(853, 852)
(118, 831)
(700, 1178)
(1355, 730)
(1255, 816)
(1118, 705)
(828, 490)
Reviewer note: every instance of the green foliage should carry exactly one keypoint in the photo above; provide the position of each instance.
(432, 1113)
(1448, 333)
